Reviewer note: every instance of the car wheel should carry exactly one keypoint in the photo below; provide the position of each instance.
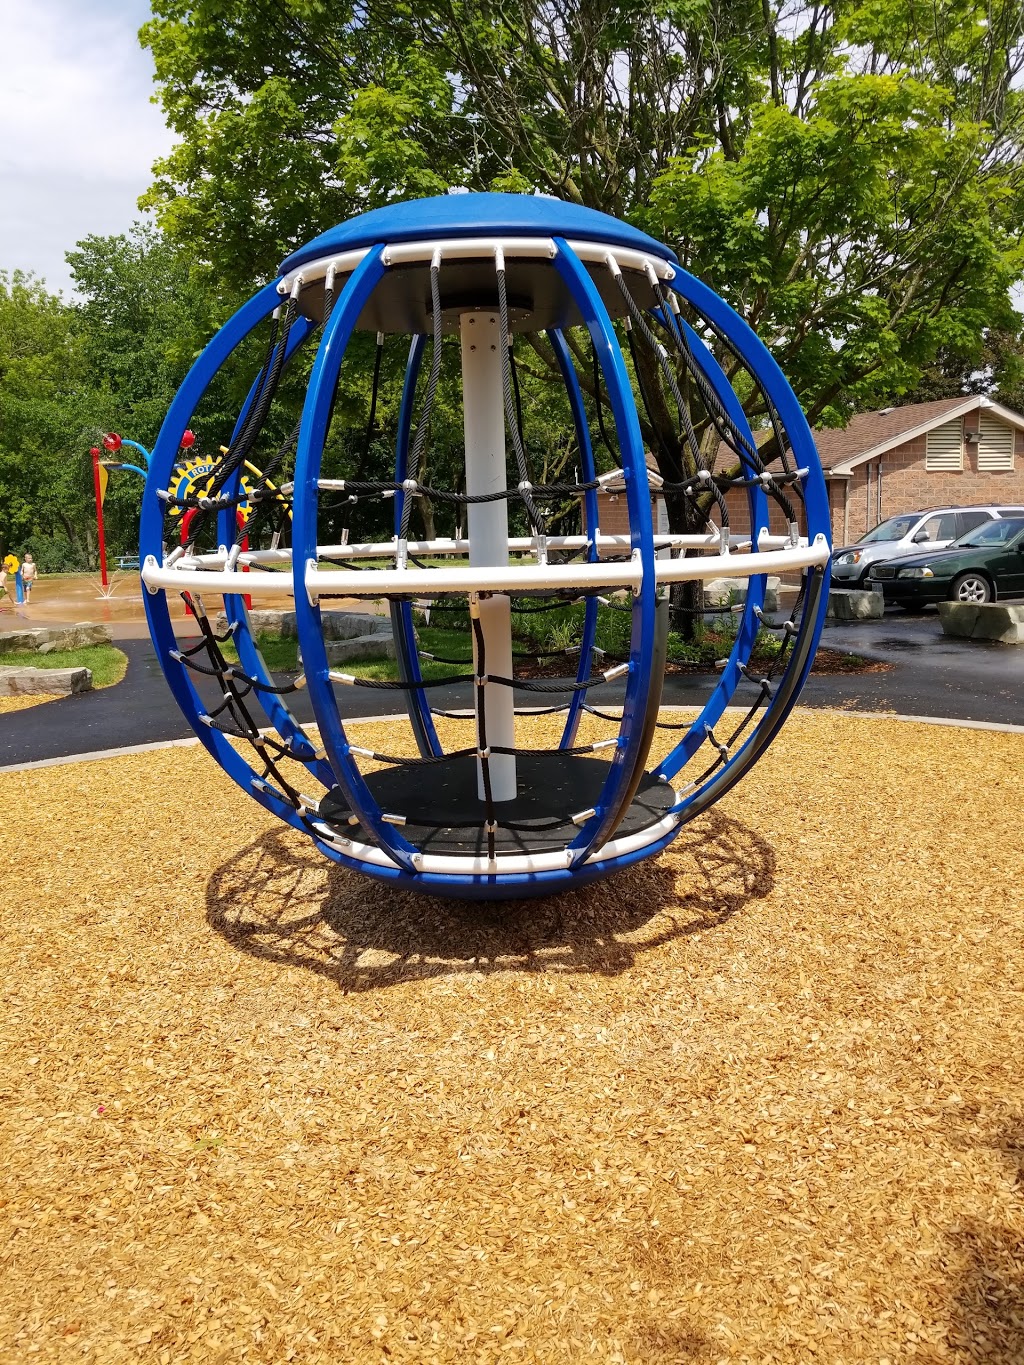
(972, 587)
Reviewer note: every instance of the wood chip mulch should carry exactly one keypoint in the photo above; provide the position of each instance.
(759, 1100)
(23, 702)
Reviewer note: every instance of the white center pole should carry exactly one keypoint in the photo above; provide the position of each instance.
(484, 420)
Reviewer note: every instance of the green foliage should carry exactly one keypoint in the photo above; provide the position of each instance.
(995, 367)
(47, 405)
(111, 360)
(848, 176)
(107, 663)
(56, 554)
(862, 236)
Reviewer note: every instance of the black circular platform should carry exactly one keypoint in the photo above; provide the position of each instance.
(444, 814)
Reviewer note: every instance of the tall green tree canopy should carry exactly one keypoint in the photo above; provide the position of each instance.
(848, 175)
(112, 358)
(44, 409)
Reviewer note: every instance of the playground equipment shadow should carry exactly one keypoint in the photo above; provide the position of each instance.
(370, 943)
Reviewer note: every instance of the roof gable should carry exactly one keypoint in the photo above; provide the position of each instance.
(870, 434)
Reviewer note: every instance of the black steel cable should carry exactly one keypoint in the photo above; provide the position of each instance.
(481, 734)
(598, 401)
(422, 427)
(536, 519)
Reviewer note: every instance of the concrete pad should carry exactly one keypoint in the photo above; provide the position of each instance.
(16, 682)
(983, 621)
(852, 604)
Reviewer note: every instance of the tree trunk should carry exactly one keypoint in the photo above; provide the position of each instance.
(686, 599)
(427, 517)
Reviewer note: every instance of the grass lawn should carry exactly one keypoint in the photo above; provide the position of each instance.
(282, 656)
(107, 663)
(551, 632)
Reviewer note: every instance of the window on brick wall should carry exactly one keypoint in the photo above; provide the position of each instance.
(995, 445)
(945, 449)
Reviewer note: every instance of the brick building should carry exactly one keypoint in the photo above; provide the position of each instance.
(955, 452)
(612, 513)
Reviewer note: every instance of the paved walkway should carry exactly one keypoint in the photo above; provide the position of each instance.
(930, 676)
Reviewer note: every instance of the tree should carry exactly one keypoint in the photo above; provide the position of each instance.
(848, 175)
(296, 114)
(995, 368)
(113, 360)
(45, 407)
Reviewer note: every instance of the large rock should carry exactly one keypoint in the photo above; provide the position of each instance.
(280, 625)
(983, 621)
(352, 625)
(18, 640)
(337, 625)
(851, 604)
(58, 637)
(348, 634)
(375, 646)
(80, 636)
(53, 681)
(724, 592)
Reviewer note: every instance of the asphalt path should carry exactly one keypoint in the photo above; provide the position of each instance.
(929, 675)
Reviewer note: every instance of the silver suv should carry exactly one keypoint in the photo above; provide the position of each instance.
(904, 535)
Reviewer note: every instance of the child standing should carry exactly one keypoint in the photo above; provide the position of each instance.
(28, 576)
(8, 568)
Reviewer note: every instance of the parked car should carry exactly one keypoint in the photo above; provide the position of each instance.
(982, 565)
(903, 535)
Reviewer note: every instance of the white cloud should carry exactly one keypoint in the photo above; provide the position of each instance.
(78, 135)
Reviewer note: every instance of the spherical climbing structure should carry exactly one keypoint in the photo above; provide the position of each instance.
(608, 317)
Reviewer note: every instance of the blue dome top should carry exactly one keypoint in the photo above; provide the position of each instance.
(475, 215)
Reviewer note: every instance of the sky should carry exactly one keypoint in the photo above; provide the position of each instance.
(78, 135)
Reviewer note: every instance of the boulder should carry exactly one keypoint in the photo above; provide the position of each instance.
(852, 604)
(79, 636)
(373, 646)
(57, 637)
(54, 681)
(280, 625)
(724, 592)
(347, 634)
(983, 621)
(17, 640)
(352, 625)
(337, 625)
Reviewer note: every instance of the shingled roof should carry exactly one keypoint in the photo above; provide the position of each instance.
(868, 431)
(871, 434)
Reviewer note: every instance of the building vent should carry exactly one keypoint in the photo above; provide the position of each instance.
(995, 448)
(945, 449)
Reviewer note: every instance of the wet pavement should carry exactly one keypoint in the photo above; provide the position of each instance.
(931, 674)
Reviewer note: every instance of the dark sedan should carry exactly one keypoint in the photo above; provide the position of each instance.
(986, 563)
